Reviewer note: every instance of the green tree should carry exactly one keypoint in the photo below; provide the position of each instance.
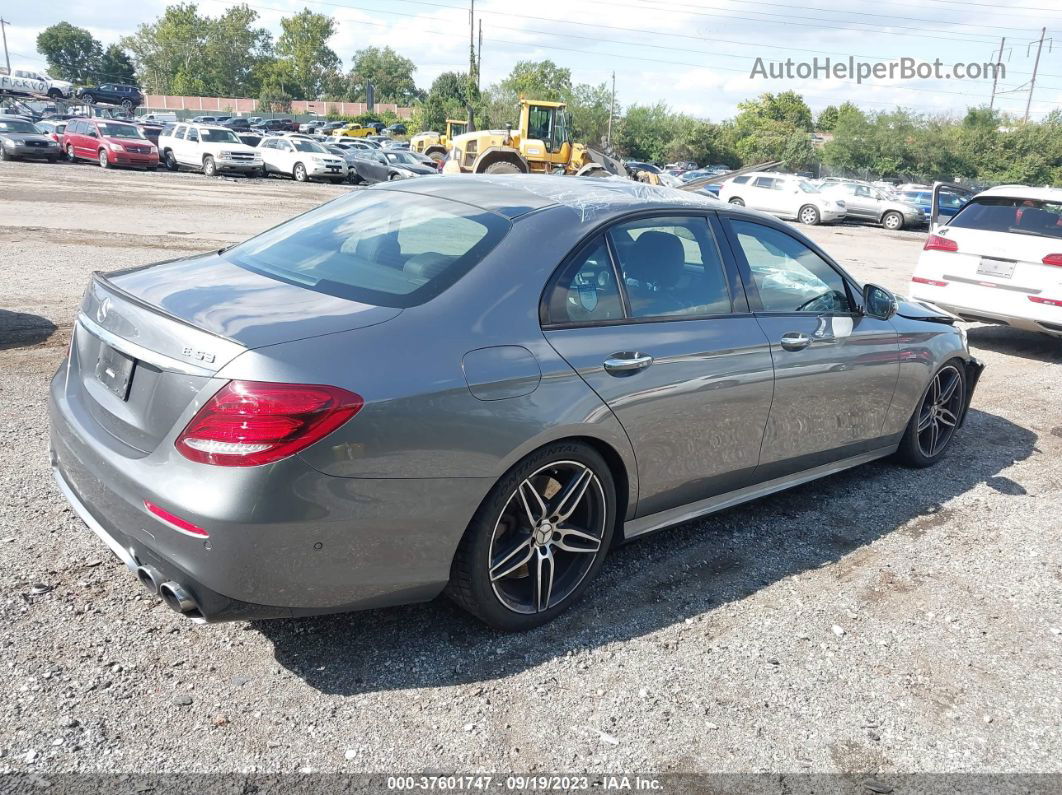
(773, 127)
(538, 80)
(446, 99)
(591, 107)
(234, 49)
(170, 53)
(390, 74)
(827, 119)
(72, 52)
(116, 66)
(304, 45)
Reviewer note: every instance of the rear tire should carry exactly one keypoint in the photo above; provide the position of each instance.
(892, 221)
(541, 562)
(737, 202)
(88, 99)
(809, 215)
(936, 418)
(503, 167)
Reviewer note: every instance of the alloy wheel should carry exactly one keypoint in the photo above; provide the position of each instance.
(547, 537)
(809, 216)
(939, 413)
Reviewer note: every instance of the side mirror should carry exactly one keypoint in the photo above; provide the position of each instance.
(878, 302)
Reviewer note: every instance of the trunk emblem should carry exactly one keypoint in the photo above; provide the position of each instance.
(202, 356)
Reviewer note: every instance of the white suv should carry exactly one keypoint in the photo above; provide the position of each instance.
(301, 159)
(998, 260)
(207, 147)
(783, 195)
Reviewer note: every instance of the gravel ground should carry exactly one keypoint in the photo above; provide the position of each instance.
(879, 621)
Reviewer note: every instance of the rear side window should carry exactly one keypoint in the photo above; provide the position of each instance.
(1020, 216)
(740, 180)
(585, 291)
(382, 247)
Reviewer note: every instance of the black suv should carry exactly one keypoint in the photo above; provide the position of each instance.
(237, 123)
(128, 97)
(279, 125)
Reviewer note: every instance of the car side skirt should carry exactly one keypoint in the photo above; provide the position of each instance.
(684, 513)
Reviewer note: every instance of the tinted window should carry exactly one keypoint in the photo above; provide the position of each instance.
(740, 180)
(193, 134)
(788, 275)
(670, 267)
(1020, 216)
(767, 182)
(585, 291)
(381, 247)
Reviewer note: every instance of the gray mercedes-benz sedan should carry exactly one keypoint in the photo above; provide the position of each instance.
(477, 385)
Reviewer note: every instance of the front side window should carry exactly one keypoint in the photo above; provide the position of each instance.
(585, 291)
(193, 134)
(788, 275)
(388, 248)
(671, 267)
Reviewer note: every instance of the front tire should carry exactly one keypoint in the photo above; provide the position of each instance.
(210, 168)
(88, 99)
(170, 160)
(936, 419)
(502, 167)
(538, 538)
(892, 221)
(70, 156)
(104, 160)
(809, 215)
(4, 156)
(299, 173)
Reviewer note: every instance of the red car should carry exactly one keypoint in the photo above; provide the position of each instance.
(110, 143)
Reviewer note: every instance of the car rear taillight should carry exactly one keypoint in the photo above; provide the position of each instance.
(931, 282)
(183, 525)
(1052, 259)
(939, 243)
(1049, 301)
(249, 423)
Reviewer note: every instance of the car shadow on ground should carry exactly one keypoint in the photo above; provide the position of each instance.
(19, 329)
(1016, 342)
(676, 574)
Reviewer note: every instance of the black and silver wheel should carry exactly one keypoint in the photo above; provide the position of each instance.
(738, 202)
(537, 539)
(210, 168)
(127, 105)
(299, 173)
(934, 422)
(809, 214)
(892, 221)
(88, 99)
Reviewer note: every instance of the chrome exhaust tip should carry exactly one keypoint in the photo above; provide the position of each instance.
(177, 598)
(149, 578)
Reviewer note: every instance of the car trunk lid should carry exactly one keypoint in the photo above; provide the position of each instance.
(149, 340)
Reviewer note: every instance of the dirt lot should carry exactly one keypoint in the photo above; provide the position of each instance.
(879, 621)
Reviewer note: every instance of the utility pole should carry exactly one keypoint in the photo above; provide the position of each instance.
(479, 56)
(473, 78)
(1036, 66)
(995, 74)
(3, 33)
(611, 111)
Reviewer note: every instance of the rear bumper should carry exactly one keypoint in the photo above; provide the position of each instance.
(285, 539)
(976, 303)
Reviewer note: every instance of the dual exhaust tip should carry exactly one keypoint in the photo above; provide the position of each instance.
(175, 596)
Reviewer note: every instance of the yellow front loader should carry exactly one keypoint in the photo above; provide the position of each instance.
(436, 145)
(542, 144)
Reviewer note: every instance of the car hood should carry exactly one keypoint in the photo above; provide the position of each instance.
(23, 137)
(210, 292)
(128, 141)
(923, 310)
(903, 207)
(418, 169)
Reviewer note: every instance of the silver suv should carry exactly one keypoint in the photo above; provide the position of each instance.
(867, 203)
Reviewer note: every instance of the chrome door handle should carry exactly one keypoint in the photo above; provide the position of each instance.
(619, 363)
(795, 341)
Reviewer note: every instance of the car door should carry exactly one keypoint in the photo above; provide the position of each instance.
(284, 157)
(860, 202)
(835, 368)
(188, 150)
(87, 141)
(768, 194)
(653, 318)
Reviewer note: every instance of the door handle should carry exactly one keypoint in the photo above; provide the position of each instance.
(795, 341)
(622, 363)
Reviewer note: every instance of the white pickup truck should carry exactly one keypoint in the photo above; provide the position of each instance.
(56, 89)
(20, 85)
(208, 148)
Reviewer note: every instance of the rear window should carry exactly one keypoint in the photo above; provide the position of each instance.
(1020, 216)
(381, 247)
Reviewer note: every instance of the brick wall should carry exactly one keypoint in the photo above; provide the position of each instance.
(250, 106)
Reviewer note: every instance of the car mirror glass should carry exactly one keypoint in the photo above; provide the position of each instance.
(878, 302)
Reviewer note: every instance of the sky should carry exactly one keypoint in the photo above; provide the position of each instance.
(694, 55)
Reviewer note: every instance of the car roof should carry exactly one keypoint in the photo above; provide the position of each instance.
(516, 195)
(1024, 192)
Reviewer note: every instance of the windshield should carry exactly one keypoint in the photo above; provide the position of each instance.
(17, 126)
(308, 146)
(218, 136)
(807, 187)
(382, 247)
(1019, 216)
(402, 157)
(112, 130)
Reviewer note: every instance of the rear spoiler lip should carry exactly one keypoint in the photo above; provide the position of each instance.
(101, 279)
